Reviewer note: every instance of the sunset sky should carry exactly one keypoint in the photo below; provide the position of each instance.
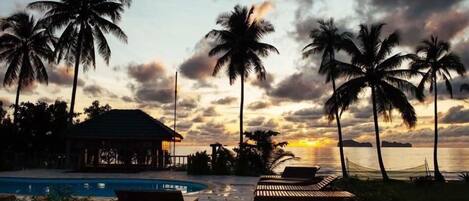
(168, 36)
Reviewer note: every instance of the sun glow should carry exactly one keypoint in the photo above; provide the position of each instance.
(310, 143)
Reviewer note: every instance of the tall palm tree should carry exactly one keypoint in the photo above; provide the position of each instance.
(327, 39)
(434, 56)
(24, 46)
(372, 67)
(240, 48)
(84, 23)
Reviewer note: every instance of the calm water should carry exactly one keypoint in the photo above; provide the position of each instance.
(451, 160)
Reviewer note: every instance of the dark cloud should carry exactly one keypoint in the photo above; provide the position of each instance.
(259, 105)
(264, 84)
(188, 103)
(225, 101)
(146, 72)
(300, 86)
(361, 112)
(153, 86)
(304, 115)
(127, 99)
(199, 66)
(462, 49)
(46, 100)
(457, 114)
(198, 119)
(63, 76)
(418, 19)
(210, 112)
(95, 91)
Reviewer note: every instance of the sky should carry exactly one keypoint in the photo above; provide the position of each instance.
(169, 36)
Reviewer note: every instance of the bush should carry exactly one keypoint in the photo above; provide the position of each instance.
(223, 162)
(198, 163)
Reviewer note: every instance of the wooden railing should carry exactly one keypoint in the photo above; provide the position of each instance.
(179, 161)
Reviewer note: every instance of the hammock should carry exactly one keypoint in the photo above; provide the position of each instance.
(363, 172)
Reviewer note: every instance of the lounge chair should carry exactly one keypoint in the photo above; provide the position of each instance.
(292, 176)
(303, 196)
(294, 172)
(153, 195)
(312, 187)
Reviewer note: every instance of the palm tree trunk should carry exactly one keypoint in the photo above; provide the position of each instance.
(17, 100)
(438, 175)
(339, 131)
(241, 112)
(72, 101)
(378, 141)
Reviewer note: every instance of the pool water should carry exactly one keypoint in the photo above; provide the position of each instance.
(92, 186)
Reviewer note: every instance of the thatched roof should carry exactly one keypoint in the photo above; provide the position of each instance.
(123, 124)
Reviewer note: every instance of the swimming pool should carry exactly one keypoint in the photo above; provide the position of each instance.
(91, 186)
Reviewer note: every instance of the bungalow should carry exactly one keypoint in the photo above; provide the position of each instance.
(121, 139)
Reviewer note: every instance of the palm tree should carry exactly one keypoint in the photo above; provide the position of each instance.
(433, 55)
(240, 48)
(84, 23)
(24, 46)
(328, 40)
(372, 67)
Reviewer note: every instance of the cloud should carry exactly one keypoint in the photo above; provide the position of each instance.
(146, 72)
(46, 100)
(96, 91)
(225, 101)
(127, 99)
(261, 10)
(152, 86)
(300, 86)
(304, 115)
(418, 19)
(199, 66)
(456, 114)
(259, 105)
(63, 76)
(263, 84)
(210, 112)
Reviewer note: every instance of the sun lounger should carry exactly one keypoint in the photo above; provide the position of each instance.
(294, 173)
(156, 195)
(303, 196)
(312, 187)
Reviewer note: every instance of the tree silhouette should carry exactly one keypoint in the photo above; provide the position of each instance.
(95, 109)
(84, 24)
(372, 67)
(240, 49)
(24, 46)
(327, 39)
(434, 56)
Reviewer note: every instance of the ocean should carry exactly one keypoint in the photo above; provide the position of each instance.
(452, 161)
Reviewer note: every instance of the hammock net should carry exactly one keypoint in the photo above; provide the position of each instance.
(363, 172)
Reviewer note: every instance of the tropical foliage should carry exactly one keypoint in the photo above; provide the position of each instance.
(327, 39)
(84, 24)
(239, 48)
(372, 67)
(435, 58)
(259, 154)
(95, 109)
(198, 163)
(25, 45)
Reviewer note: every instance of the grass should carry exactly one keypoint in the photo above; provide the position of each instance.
(376, 190)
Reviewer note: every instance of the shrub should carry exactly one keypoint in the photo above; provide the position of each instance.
(261, 154)
(198, 163)
(223, 161)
